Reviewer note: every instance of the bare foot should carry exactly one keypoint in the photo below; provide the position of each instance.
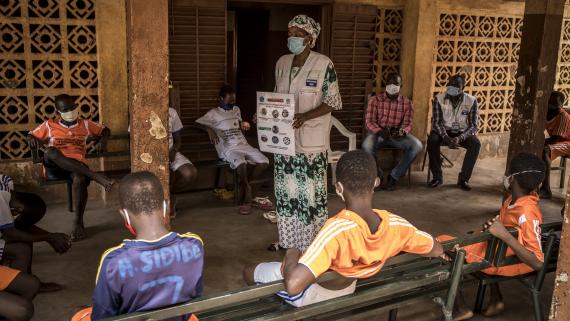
(494, 309)
(78, 232)
(462, 315)
(46, 287)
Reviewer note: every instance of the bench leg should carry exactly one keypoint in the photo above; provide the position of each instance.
(409, 177)
(538, 316)
(480, 297)
(69, 196)
(562, 171)
(393, 315)
(454, 286)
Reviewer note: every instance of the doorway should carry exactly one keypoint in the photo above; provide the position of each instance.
(257, 37)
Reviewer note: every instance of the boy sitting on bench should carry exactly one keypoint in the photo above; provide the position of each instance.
(355, 243)
(64, 158)
(17, 235)
(224, 125)
(157, 269)
(521, 211)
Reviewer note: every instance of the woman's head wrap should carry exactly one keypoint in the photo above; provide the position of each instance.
(308, 24)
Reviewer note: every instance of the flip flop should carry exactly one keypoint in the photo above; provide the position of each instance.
(271, 216)
(263, 203)
(245, 209)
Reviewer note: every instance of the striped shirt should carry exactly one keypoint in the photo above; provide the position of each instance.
(383, 112)
(559, 125)
(346, 245)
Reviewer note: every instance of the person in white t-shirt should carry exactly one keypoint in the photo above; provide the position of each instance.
(17, 235)
(224, 126)
(182, 171)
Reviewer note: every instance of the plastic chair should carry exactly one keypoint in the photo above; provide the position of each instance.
(334, 156)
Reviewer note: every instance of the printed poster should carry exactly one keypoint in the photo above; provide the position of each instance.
(275, 131)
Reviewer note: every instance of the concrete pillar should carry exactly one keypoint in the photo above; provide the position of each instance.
(147, 45)
(535, 75)
(418, 41)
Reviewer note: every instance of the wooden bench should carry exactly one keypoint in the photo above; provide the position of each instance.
(37, 160)
(398, 284)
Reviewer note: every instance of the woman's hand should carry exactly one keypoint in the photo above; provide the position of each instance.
(245, 126)
(299, 120)
(214, 139)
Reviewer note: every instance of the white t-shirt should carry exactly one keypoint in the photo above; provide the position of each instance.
(6, 218)
(226, 124)
(174, 125)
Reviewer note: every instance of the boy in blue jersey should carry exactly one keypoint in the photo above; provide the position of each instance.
(157, 269)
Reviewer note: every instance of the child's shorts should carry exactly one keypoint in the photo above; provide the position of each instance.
(314, 293)
(7, 276)
(179, 161)
(85, 315)
(245, 154)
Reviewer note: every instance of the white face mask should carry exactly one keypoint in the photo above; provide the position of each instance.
(507, 179)
(69, 115)
(392, 89)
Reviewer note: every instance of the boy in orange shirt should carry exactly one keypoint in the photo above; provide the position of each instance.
(355, 243)
(64, 158)
(521, 211)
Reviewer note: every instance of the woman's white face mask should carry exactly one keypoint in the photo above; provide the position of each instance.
(69, 115)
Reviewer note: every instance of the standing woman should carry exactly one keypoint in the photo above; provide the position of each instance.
(301, 180)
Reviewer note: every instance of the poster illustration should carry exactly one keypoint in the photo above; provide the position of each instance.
(275, 131)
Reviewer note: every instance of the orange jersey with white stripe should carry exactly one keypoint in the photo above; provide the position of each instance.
(559, 125)
(346, 245)
(71, 140)
(525, 216)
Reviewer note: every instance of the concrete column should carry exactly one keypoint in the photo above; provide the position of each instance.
(111, 25)
(535, 76)
(418, 42)
(147, 46)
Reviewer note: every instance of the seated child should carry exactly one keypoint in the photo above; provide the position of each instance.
(355, 243)
(521, 211)
(19, 234)
(157, 269)
(64, 158)
(224, 126)
(558, 142)
(17, 290)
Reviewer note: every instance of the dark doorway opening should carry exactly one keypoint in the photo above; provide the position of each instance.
(257, 37)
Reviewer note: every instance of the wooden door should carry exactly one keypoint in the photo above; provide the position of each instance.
(352, 46)
(197, 42)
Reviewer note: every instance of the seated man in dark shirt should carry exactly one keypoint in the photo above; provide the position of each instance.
(155, 270)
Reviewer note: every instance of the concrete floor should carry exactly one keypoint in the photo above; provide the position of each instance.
(231, 240)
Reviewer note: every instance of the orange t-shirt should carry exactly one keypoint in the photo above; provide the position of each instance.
(526, 217)
(70, 141)
(346, 245)
(559, 125)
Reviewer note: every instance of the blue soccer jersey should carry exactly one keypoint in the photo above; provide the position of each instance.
(145, 275)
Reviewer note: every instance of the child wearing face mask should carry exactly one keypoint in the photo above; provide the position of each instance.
(156, 269)
(355, 243)
(224, 126)
(521, 211)
(66, 138)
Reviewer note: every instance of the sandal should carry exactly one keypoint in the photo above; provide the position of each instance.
(245, 209)
(223, 194)
(274, 247)
(271, 216)
(263, 203)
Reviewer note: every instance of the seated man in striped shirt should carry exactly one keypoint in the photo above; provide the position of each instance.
(356, 243)
(389, 124)
(558, 142)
